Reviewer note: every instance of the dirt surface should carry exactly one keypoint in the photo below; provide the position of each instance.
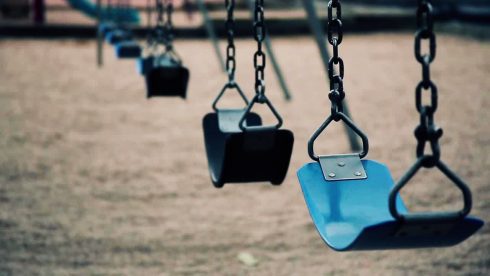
(95, 179)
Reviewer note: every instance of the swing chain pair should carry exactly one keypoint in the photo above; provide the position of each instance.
(427, 131)
(230, 57)
(164, 30)
(259, 56)
(334, 37)
(260, 33)
(230, 49)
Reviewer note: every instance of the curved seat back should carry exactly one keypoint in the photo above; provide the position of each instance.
(354, 214)
(166, 79)
(235, 156)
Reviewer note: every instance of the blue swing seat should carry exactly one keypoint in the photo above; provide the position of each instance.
(117, 36)
(106, 27)
(128, 49)
(354, 214)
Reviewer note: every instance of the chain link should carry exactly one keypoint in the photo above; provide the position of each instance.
(230, 49)
(259, 56)
(334, 36)
(427, 131)
(148, 13)
(160, 13)
(169, 29)
(164, 29)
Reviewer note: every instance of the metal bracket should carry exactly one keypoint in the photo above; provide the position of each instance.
(342, 167)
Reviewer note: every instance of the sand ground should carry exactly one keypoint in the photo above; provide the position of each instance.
(95, 179)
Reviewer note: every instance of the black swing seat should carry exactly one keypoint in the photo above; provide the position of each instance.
(354, 214)
(166, 77)
(128, 49)
(254, 155)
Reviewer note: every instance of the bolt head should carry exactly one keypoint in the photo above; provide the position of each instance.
(341, 164)
(357, 173)
(331, 175)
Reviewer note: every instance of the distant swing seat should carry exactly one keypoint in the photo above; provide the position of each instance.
(240, 149)
(117, 36)
(145, 64)
(105, 28)
(354, 214)
(128, 50)
(166, 77)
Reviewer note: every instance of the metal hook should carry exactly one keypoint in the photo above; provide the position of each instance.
(430, 216)
(262, 99)
(348, 122)
(229, 85)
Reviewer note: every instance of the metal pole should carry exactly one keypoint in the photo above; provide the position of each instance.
(272, 57)
(319, 34)
(208, 24)
(100, 45)
(39, 11)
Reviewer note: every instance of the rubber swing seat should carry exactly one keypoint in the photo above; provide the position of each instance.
(354, 214)
(128, 50)
(235, 156)
(166, 78)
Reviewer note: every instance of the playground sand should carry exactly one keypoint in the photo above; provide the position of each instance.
(95, 179)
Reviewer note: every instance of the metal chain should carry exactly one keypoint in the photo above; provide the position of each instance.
(259, 56)
(160, 13)
(334, 37)
(169, 29)
(148, 13)
(260, 33)
(164, 30)
(230, 49)
(427, 131)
